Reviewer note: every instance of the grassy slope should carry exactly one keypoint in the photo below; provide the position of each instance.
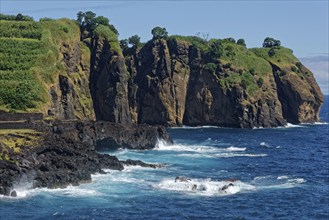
(30, 61)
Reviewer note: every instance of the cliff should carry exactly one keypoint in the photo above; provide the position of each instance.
(176, 82)
(55, 68)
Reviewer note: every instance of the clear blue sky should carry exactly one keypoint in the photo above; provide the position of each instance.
(300, 25)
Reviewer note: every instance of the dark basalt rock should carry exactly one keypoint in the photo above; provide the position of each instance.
(67, 154)
(141, 163)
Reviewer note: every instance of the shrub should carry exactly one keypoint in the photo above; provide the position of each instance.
(241, 42)
(271, 52)
(252, 71)
(294, 69)
(216, 49)
(211, 67)
(260, 82)
(227, 65)
(299, 65)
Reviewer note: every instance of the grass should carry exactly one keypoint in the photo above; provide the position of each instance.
(105, 32)
(284, 59)
(21, 29)
(244, 59)
(194, 40)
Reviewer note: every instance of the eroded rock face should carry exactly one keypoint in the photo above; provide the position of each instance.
(170, 86)
(109, 83)
(70, 95)
(160, 73)
(301, 97)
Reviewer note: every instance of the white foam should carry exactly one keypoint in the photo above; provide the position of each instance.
(283, 177)
(205, 187)
(232, 148)
(162, 146)
(289, 125)
(321, 123)
(264, 144)
(280, 182)
(316, 123)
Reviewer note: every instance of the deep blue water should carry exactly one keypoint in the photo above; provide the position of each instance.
(283, 173)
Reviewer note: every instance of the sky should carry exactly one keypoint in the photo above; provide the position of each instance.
(301, 25)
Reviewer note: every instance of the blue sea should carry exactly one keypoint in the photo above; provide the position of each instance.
(278, 173)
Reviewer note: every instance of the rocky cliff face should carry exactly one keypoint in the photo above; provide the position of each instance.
(158, 85)
(70, 96)
(168, 82)
(300, 96)
(109, 83)
(171, 85)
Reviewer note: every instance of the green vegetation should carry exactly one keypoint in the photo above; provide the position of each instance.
(211, 67)
(216, 49)
(246, 80)
(196, 41)
(18, 17)
(271, 42)
(89, 22)
(241, 42)
(106, 33)
(26, 29)
(159, 32)
(30, 60)
(281, 56)
(134, 40)
(241, 58)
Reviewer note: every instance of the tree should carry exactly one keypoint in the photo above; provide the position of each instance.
(216, 49)
(271, 42)
(241, 42)
(230, 40)
(101, 20)
(134, 40)
(159, 32)
(81, 17)
(88, 21)
(124, 44)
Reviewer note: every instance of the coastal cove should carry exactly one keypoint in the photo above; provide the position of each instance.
(281, 173)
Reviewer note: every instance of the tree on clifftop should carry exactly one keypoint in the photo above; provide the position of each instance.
(134, 40)
(159, 32)
(241, 42)
(88, 21)
(271, 42)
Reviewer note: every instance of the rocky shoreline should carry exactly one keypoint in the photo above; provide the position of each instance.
(66, 152)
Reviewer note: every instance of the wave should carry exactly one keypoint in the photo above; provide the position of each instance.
(280, 182)
(71, 191)
(162, 146)
(316, 123)
(205, 187)
(209, 187)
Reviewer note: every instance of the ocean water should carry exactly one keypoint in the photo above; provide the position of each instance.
(279, 173)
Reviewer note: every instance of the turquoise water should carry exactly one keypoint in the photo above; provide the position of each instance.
(282, 173)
